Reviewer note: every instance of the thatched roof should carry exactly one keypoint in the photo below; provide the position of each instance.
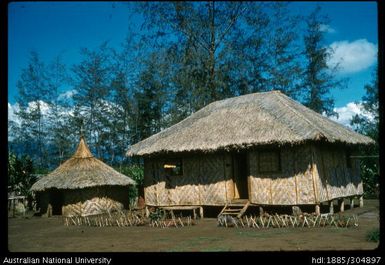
(246, 121)
(82, 170)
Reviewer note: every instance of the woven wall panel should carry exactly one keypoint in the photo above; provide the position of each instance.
(213, 175)
(343, 176)
(303, 174)
(283, 190)
(321, 184)
(283, 185)
(280, 188)
(163, 195)
(335, 177)
(229, 178)
(93, 206)
(259, 185)
(185, 187)
(203, 182)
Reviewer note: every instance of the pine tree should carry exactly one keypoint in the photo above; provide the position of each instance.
(283, 51)
(319, 78)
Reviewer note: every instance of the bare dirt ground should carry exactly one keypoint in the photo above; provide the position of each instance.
(37, 234)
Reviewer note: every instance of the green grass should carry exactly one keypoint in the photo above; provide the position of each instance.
(373, 235)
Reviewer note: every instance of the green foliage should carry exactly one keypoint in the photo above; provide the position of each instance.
(318, 76)
(368, 124)
(373, 235)
(136, 172)
(20, 176)
(370, 179)
(157, 215)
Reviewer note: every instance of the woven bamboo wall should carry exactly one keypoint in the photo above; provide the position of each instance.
(73, 200)
(334, 178)
(292, 185)
(94, 206)
(206, 180)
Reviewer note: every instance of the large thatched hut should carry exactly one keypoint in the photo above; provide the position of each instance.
(264, 147)
(82, 185)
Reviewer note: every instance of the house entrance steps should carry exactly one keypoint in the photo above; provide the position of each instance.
(236, 208)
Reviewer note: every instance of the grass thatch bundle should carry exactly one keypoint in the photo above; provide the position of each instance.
(246, 121)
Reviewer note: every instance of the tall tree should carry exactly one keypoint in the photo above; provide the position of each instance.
(149, 98)
(34, 93)
(319, 78)
(367, 123)
(59, 137)
(204, 34)
(92, 79)
(283, 54)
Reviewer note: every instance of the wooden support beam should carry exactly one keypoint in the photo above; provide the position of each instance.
(261, 210)
(352, 203)
(331, 207)
(341, 204)
(317, 209)
(361, 201)
(201, 212)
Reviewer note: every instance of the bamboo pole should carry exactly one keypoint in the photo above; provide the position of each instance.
(331, 207)
(361, 201)
(341, 203)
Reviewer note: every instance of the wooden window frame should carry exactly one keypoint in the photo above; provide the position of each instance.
(169, 171)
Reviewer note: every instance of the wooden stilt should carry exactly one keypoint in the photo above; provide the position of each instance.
(260, 210)
(331, 207)
(351, 203)
(317, 209)
(361, 201)
(201, 211)
(341, 203)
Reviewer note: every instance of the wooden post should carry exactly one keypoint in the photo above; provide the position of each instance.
(341, 203)
(361, 201)
(147, 212)
(260, 210)
(331, 207)
(201, 212)
(317, 209)
(351, 202)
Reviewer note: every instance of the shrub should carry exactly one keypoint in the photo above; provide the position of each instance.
(135, 172)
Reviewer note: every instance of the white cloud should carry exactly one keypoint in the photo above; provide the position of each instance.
(44, 107)
(346, 113)
(67, 95)
(11, 112)
(326, 28)
(352, 56)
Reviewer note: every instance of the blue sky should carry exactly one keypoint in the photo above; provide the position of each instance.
(53, 28)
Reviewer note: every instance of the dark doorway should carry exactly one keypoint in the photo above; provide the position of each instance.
(56, 200)
(240, 174)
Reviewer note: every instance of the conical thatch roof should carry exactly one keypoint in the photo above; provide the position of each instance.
(245, 121)
(82, 170)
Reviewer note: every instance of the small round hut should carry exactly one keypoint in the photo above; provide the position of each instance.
(82, 185)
